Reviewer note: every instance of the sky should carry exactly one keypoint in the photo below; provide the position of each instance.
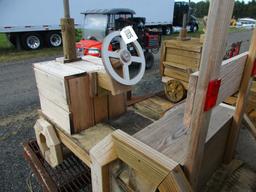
(201, 0)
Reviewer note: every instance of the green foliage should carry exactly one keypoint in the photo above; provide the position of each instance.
(79, 34)
(4, 42)
(241, 9)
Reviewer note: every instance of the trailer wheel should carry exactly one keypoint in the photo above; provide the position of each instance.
(31, 41)
(149, 58)
(54, 39)
(174, 91)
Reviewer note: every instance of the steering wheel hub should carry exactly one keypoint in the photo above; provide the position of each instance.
(125, 56)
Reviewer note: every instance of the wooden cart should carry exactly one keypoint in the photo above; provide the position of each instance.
(178, 60)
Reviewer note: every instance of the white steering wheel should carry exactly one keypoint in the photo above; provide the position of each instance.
(125, 57)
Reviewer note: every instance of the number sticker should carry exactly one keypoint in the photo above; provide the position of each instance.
(128, 35)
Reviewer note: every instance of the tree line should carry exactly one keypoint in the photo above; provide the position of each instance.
(241, 9)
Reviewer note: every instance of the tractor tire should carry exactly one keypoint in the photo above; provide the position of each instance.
(149, 58)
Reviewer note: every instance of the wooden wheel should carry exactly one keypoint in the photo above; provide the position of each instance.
(174, 90)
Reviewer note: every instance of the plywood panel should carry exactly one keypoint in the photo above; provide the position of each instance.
(56, 114)
(190, 62)
(176, 73)
(169, 135)
(231, 73)
(52, 88)
(81, 104)
(100, 108)
(184, 53)
(116, 105)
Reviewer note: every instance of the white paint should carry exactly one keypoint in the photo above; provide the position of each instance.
(128, 35)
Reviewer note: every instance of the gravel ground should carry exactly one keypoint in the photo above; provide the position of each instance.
(18, 111)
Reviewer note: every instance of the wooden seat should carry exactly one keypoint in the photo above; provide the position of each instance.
(170, 136)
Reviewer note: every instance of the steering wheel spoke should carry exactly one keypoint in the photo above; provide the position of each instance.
(136, 59)
(113, 54)
(126, 72)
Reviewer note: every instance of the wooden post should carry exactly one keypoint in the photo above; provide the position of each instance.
(68, 35)
(183, 31)
(213, 50)
(241, 102)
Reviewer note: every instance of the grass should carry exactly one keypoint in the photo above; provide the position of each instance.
(8, 52)
(4, 42)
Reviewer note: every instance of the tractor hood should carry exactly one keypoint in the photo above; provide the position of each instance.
(87, 44)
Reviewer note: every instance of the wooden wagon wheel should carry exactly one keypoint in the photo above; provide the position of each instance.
(174, 90)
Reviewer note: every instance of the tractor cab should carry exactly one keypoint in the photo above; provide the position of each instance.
(98, 23)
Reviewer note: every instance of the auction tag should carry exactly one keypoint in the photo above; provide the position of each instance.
(128, 35)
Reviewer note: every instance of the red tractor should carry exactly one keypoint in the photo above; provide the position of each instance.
(99, 23)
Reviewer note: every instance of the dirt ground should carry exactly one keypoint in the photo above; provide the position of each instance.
(18, 112)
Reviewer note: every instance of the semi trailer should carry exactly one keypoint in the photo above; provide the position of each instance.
(32, 24)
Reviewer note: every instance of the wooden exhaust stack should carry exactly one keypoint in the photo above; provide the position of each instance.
(68, 35)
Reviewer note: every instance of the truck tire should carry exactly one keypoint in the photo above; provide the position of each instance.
(12, 39)
(194, 28)
(54, 39)
(32, 41)
(167, 30)
(149, 58)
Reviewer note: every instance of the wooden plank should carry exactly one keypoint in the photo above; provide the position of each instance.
(183, 60)
(106, 82)
(252, 116)
(92, 65)
(151, 164)
(250, 126)
(231, 73)
(153, 107)
(181, 66)
(213, 154)
(72, 145)
(48, 142)
(100, 108)
(241, 102)
(93, 79)
(162, 58)
(81, 104)
(117, 105)
(80, 144)
(102, 154)
(169, 182)
(52, 88)
(193, 45)
(56, 114)
(176, 73)
(57, 69)
(184, 53)
(190, 99)
(169, 136)
(220, 13)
